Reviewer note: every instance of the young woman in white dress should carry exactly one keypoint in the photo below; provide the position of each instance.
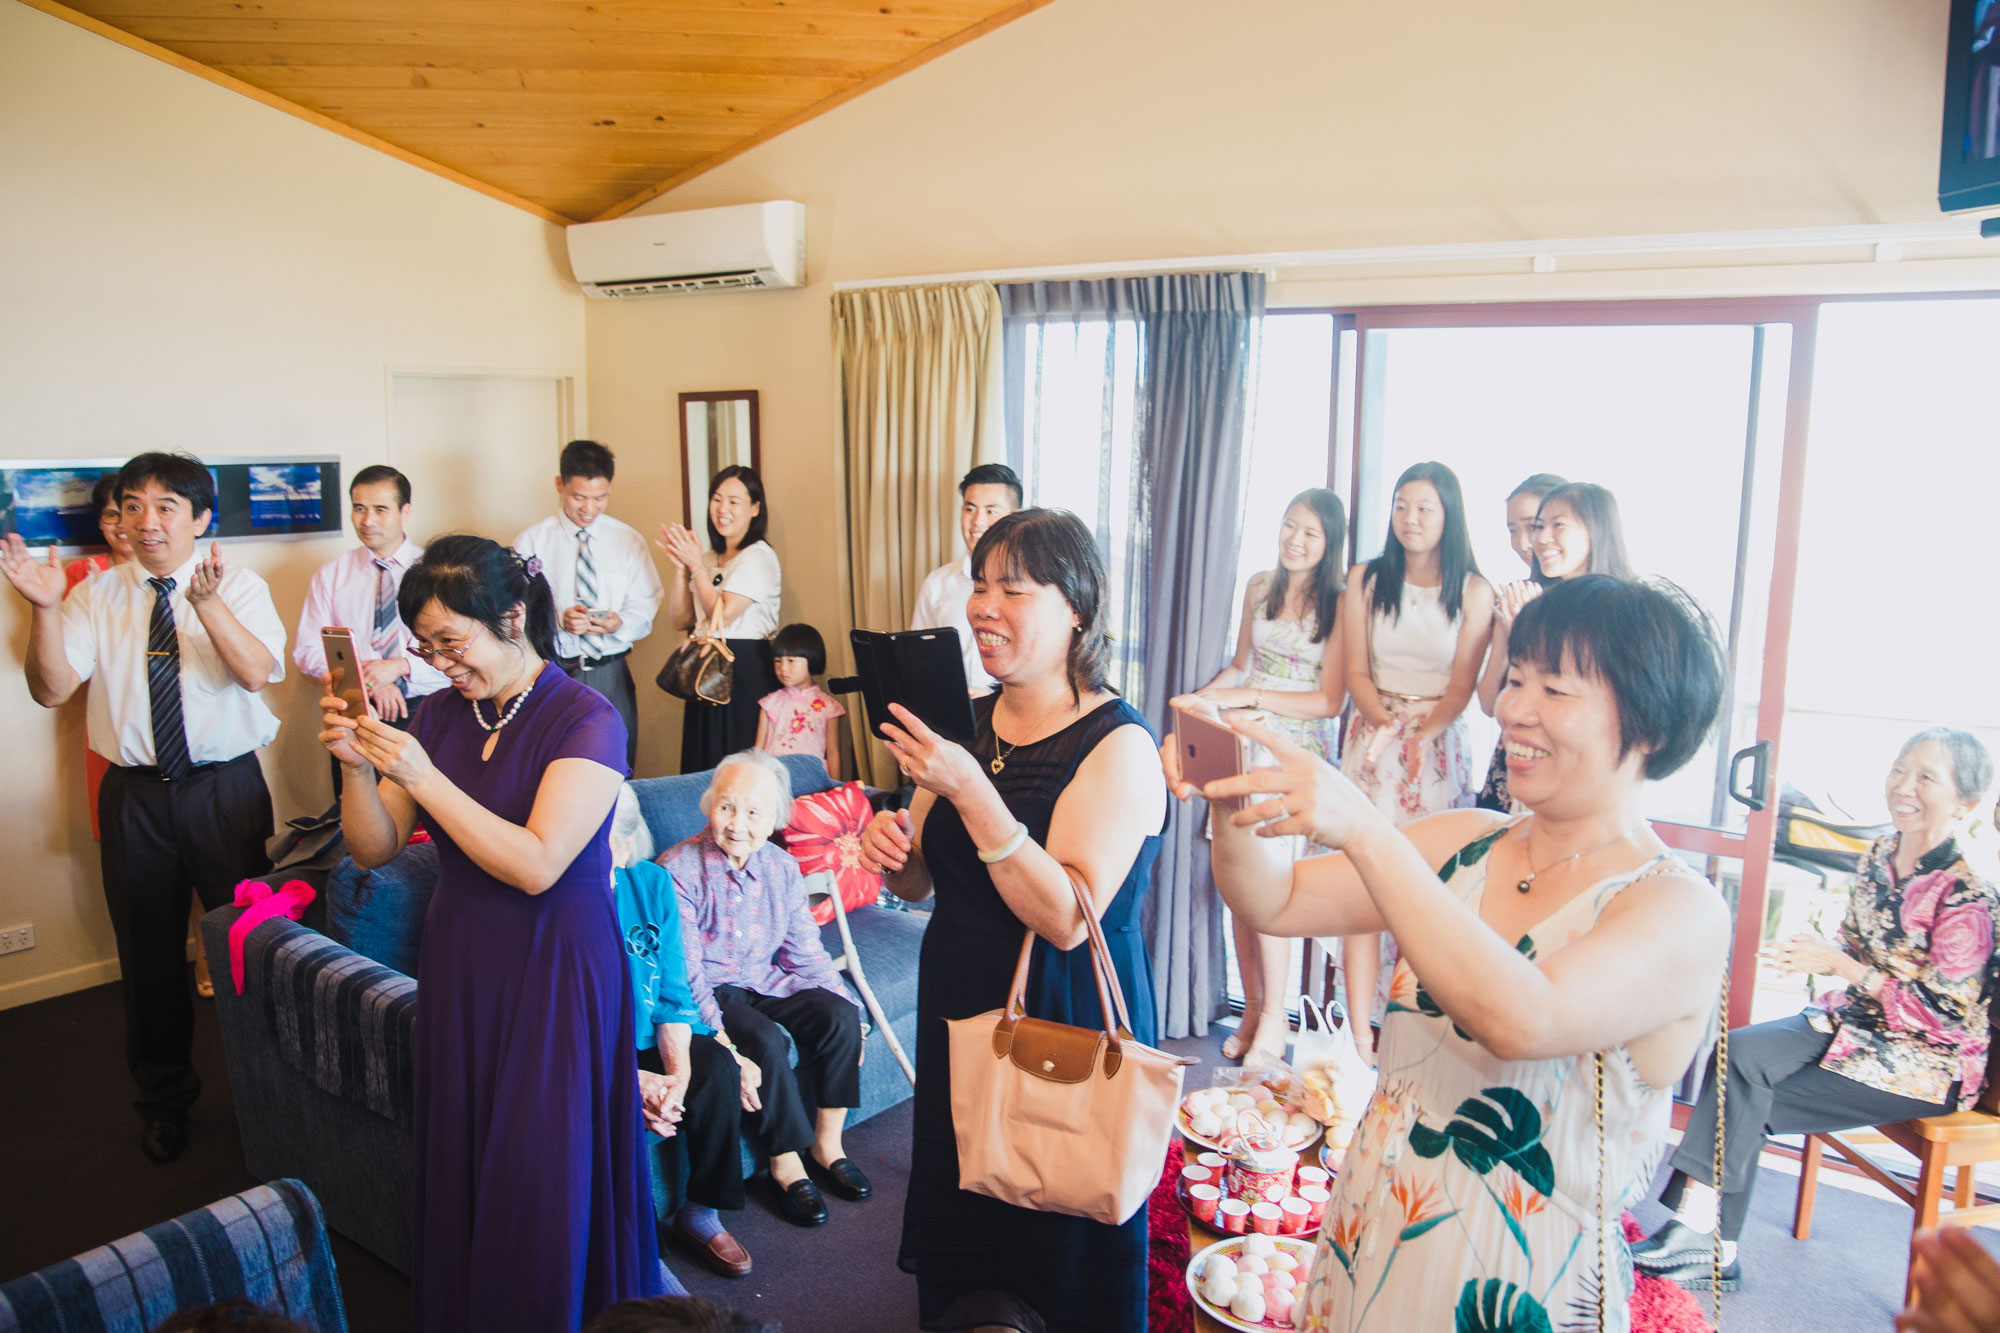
(1416, 620)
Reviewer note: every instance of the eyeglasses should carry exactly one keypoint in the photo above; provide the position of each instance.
(431, 655)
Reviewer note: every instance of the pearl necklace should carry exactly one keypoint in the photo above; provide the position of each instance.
(504, 718)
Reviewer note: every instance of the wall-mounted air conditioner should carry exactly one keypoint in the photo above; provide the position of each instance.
(703, 250)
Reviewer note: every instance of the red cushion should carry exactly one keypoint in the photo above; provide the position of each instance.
(825, 836)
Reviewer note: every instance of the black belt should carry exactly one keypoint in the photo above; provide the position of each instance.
(590, 663)
(153, 772)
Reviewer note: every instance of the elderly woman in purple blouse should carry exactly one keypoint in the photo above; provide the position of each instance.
(758, 971)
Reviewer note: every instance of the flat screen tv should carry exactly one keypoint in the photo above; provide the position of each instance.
(1969, 174)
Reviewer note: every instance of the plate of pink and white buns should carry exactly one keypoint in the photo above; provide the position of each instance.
(1251, 1283)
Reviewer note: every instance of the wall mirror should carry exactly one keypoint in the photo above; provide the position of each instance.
(718, 430)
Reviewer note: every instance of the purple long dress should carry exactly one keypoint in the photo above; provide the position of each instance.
(533, 1209)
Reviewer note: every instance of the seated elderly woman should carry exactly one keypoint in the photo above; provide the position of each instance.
(689, 1081)
(758, 970)
(1559, 972)
(1905, 1039)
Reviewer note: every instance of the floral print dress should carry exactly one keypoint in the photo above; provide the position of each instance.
(1932, 935)
(1469, 1199)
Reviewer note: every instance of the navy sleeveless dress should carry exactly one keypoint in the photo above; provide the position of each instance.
(978, 1260)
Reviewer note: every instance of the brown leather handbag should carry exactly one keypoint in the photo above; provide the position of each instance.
(700, 667)
(1057, 1118)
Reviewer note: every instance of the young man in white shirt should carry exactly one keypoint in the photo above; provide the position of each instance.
(358, 590)
(601, 572)
(987, 494)
(180, 647)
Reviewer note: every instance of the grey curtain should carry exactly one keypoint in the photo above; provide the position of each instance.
(1171, 522)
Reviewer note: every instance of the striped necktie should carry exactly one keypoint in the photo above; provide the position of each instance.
(163, 686)
(386, 625)
(586, 589)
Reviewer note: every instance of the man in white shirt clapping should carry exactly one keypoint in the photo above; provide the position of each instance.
(987, 494)
(601, 572)
(180, 647)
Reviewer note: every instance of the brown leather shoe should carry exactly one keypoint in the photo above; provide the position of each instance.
(723, 1254)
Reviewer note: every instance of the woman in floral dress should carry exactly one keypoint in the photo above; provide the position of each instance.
(1545, 952)
(1287, 668)
(1905, 1037)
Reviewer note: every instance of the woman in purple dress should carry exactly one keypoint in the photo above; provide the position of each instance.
(533, 1209)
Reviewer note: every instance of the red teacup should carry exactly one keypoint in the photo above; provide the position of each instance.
(1203, 1201)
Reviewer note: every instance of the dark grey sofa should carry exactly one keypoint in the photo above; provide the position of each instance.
(318, 1043)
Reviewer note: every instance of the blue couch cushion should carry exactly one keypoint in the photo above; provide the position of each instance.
(267, 1243)
(343, 1021)
(380, 913)
(888, 943)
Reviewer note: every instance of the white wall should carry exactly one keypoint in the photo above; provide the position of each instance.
(181, 267)
(1115, 130)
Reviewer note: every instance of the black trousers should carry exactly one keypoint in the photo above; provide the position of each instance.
(612, 678)
(1776, 1086)
(827, 1031)
(161, 842)
(707, 1152)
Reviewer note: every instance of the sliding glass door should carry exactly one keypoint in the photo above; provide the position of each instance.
(1693, 414)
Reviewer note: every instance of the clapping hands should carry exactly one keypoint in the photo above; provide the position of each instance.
(681, 545)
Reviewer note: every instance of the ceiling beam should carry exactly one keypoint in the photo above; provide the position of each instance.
(277, 103)
(820, 108)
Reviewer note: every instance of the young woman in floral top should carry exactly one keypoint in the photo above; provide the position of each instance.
(1906, 1038)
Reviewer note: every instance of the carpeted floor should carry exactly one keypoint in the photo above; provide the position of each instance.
(73, 1178)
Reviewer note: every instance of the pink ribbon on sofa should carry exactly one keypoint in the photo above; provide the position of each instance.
(261, 902)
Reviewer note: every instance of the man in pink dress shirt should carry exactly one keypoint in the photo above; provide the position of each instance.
(358, 590)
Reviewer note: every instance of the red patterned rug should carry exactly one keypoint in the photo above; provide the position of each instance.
(1658, 1306)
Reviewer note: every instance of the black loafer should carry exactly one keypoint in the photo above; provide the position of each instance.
(799, 1203)
(1673, 1246)
(844, 1178)
(165, 1136)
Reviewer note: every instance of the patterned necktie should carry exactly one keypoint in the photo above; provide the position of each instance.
(386, 625)
(586, 588)
(163, 686)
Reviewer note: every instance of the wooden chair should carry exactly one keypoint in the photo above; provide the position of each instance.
(1962, 1139)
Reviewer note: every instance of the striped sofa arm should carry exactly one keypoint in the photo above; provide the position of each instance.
(267, 1243)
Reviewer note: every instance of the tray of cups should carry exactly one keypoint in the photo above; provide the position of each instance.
(1229, 1203)
(1215, 1117)
(1251, 1283)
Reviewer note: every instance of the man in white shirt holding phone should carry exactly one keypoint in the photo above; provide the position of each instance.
(601, 571)
(987, 494)
(358, 590)
(179, 645)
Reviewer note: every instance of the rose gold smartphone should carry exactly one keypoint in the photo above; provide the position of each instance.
(1208, 751)
(346, 672)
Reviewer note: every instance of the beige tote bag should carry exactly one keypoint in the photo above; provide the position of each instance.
(1056, 1118)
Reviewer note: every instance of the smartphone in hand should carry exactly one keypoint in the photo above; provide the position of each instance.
(1209, 750)
(345, 671)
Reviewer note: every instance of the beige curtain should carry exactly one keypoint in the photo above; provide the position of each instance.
(920, 405)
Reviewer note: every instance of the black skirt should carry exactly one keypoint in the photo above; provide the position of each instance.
(711, 732)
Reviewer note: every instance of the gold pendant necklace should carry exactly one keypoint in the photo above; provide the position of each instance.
(1000, 756)
(1529, 881)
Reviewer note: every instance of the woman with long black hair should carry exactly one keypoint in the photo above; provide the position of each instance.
(733, 585)
(1288, 668)
(1417, 619)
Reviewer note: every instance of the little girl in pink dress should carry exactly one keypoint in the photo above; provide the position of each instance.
(796, 715)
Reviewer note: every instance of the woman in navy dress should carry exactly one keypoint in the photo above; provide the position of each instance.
(1063, 775)
(533, 1209)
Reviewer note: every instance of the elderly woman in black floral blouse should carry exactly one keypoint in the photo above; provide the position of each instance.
(1906, 1039)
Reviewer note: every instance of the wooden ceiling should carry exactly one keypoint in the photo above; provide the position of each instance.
(573, 110)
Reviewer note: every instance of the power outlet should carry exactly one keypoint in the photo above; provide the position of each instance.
(16, 938)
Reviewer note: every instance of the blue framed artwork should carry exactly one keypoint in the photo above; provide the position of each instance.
(47, 501)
